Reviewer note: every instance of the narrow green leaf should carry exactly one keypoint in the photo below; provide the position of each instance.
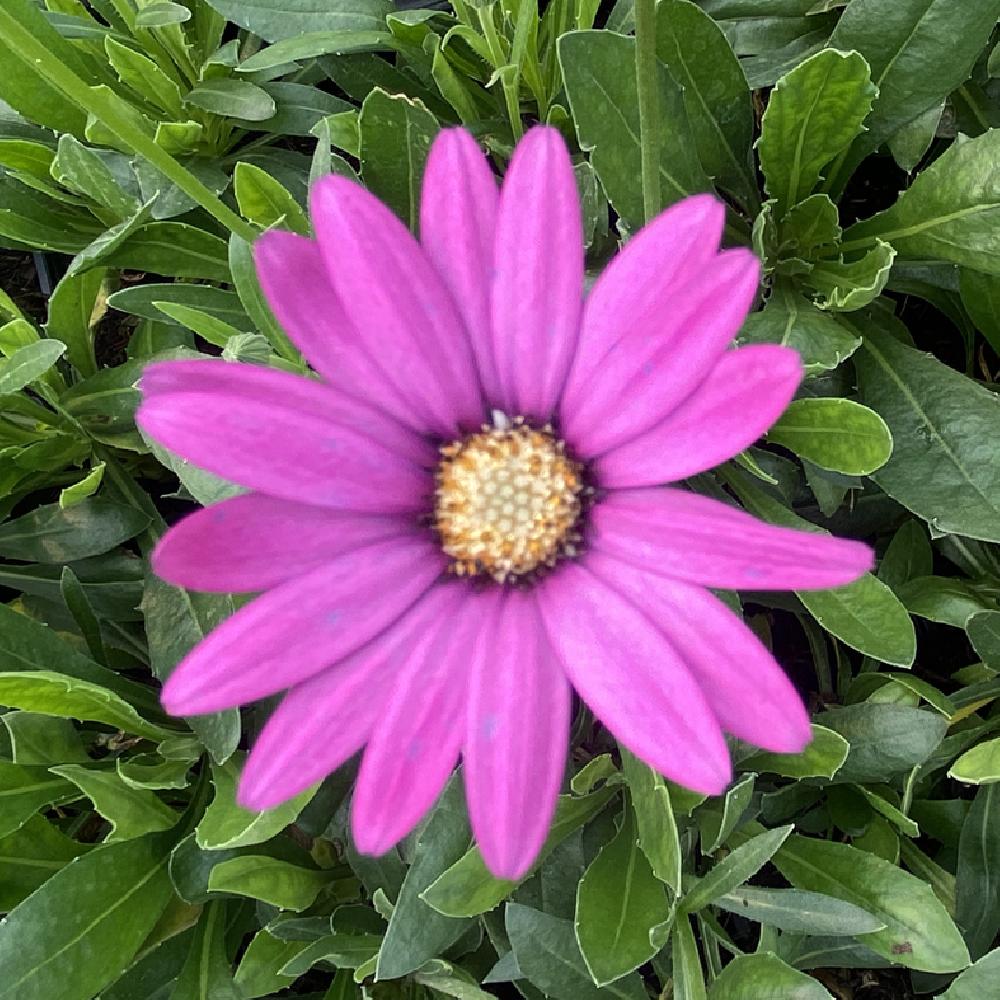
(264, 201)
(24, 790)
(798, 911)
(271, 880)
(978, 766)
(618, 902)
(844, 286)
(756, 977)
(30, 856)
(654, 816)
(28, 364)
(233, 98)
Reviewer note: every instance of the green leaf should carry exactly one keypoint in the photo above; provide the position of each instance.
(28, 364)
(695, 51)
(823, 757)
(549, 956)
(53, 534)
(655, 820)
(977, 981)
(206, 974)
(80, 169)
(347, 951)
(29, 856)
(791, 320)
(845, 286)
(468, 888)
(144, 77)
(885, 740)
(68, 697)
(944, 599)
(418, 933)
(981, 298)
(984, 634)
(834, 434)
(618, 902)
(765, 977)
(798, 911)
(130, 811)
(718, 820)
(78, 932)
(244, 277)
(233, 99)
(42, 739)
(265, 201)
(734, 869)
(29, 645)
(83, 488)
(277, 19)
(909, 555)
(865, 614)
(77, 303)
(943, 467)
(141, 300)
(810, 225)
(978, 766)
(396, 135)
(950, 211)
(977, 887)
(24, 790)
(175, 621)
(277, 882)
(146, 770)
(215, 331)
(689, 977)
(172, 249)
(316, 43)
(909, 144)
(919, 52)
(258, 973)
(162, 14)
(918, 932)
(226, 825)
(813, 114)
(605, 110)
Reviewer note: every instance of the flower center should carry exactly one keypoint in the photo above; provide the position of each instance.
(508, 500)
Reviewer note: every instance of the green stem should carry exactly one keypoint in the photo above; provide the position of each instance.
(102, 104)
(646, 86)
(511, 85)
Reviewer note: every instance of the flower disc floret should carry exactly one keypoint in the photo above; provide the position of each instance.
(508, 501)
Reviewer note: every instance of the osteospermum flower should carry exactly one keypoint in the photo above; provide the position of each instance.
(463, 519)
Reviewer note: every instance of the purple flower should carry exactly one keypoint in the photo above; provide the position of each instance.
(464, 520)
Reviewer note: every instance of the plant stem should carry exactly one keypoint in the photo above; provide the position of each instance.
(646, 86)
(103, 105)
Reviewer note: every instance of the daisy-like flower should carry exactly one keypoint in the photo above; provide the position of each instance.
(464, 519)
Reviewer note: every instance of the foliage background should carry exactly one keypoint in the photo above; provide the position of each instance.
(143, 145)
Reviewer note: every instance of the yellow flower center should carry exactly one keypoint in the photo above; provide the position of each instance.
(508, 501)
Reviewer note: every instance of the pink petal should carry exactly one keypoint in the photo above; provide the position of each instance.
(732, 667)
(294, 280)
(538, 276)
(741, 398)
(517, 735)
(325, 720)
(689, 537)
(302, 626)
(634, 292)
(458, 215)
(399, 306)
(254, 542)
(633, 679)
(285, 435)
(646, 377)
(414, 744)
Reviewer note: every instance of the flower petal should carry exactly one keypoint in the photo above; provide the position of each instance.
(285, 435)
(633, 679)
(517, 734)
(732, 667)
(254, 542)
(743, 396)
(538, 275)
(399, 306)
(458, 215)
(689, 537)
(325, 720)
(302, 626)
(634, 291)
(647, 376)
(294, 280)
(415, 743)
